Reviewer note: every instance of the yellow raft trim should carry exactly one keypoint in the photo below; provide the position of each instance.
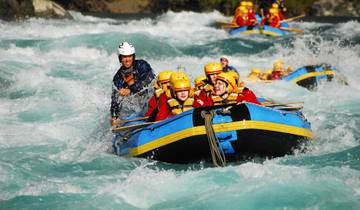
(258, 32)
(223, 127)
(313, 74)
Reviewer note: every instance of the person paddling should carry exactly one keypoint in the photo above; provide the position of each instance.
(132, 77)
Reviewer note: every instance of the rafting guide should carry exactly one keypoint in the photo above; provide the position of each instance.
(129, 82)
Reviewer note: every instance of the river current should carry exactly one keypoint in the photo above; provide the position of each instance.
(55, 139)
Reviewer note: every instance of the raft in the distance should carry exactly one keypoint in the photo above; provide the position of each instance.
(311, 76)
(266, 30)
(242, 131)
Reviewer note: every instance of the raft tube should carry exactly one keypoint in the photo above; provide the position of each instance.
(267, 30)
(310, 76)
(247, 130)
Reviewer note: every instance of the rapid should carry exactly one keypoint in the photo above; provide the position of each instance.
(55, 139)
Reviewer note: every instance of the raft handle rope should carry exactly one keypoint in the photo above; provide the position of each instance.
(217, 154)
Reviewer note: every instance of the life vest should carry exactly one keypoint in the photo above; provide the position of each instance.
(158, 92)
(177, 108)
(231, 99)
(209, 89)
(197, 92)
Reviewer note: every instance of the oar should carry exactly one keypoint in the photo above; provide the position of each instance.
(118, 122)
(290, 108)
(296, 30)
(271, 105)
(229, 26)
(131, 127)
(293, 18)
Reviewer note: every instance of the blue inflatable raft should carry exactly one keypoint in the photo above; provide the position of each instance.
(267, 30)
(310, 76)
(241, 131)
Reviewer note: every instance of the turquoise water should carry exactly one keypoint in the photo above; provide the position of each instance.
(55, 149)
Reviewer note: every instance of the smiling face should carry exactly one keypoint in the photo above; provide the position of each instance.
(182, 95)
(127, 60)
(220, 87)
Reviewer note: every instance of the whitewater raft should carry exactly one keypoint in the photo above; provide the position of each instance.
(311, 76)
(266, 30)
(242, 131)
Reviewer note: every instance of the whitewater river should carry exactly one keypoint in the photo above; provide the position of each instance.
(55, 139)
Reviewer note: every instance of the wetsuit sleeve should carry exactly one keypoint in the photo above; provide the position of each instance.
(144, 78)
(114, 108)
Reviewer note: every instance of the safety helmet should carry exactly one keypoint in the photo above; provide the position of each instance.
(178, 75)
(278, 64)
(126, 48)
(164, 76)
(229, 80)
(180, 85)
(234, 75)
(255, 71)
(249, 4)
(243, 3)
(244, 11)
(224, 57)
(273, 11)
(269, 71)
(213, 68)
(199, 81)
(275, 5)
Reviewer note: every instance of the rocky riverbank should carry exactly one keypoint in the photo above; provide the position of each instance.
(20, 9)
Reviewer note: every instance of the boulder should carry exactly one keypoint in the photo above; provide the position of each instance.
(47, 8)
(336, 8)
(20, 9)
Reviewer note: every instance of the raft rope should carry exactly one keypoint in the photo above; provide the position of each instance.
(217, 154)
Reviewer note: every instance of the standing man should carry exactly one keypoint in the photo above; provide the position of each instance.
(132, 77)
(225, 65)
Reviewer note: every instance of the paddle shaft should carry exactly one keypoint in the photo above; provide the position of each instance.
(271, 105)
(131, 127)
(293, 18)
(118, 122)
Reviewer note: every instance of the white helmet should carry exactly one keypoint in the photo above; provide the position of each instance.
(126, 48)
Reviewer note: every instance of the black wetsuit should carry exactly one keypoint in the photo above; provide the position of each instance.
(143, 76)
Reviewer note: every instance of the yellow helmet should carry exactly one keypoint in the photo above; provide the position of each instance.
(178, 75)
(278, 64)
(273, 11)
(268, 71)
(235, 76)
(244, 11)
(255, 71)
(229, 80)
(199, 81)
(250, 4)
(180, 85)
(164, 76)
(243, 3)
(213, 68)
(275, 5)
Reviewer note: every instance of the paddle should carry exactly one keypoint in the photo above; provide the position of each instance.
(229, 25)
(295, 30)
(118, 122)
(290, 108)
(272, 105)
(131, 127)
(293, 18)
